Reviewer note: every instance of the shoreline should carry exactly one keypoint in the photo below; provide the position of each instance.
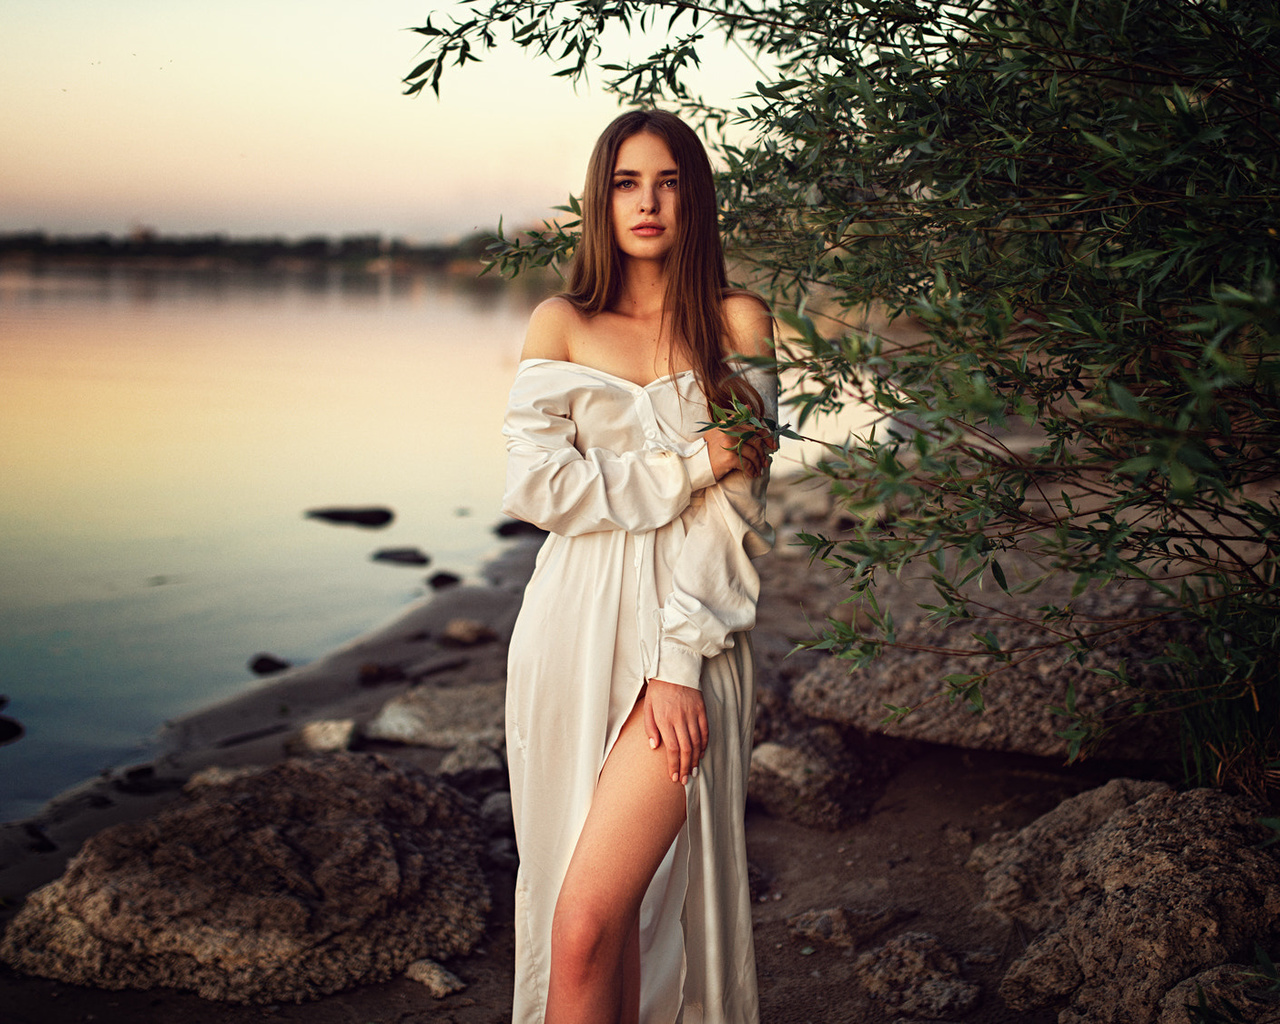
(851, 912)
(263, 725)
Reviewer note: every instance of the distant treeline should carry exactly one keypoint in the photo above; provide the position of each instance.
(144, 247)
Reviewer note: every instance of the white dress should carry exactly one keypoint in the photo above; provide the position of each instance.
(646, 574)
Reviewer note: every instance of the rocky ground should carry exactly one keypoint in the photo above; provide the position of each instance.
(897, 878)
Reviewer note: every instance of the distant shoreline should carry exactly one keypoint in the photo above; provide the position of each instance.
(219, 252)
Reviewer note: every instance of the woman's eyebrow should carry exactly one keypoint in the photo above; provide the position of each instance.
(621, 173)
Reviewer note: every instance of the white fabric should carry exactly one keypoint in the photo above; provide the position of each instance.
(646, 574)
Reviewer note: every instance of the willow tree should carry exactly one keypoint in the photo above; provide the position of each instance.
(1077, 206)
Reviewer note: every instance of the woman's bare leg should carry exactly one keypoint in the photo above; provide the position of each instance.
(635, 815)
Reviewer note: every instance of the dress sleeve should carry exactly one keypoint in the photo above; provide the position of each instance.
(714, 585)
(553, 485)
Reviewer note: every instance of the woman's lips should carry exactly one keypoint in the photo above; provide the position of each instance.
(647, 230)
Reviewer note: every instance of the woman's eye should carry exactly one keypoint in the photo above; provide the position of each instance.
(623, 184)
(670, 183)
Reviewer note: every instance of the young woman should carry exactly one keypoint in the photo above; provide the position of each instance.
(630, 690)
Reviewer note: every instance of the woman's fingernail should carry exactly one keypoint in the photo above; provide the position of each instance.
(653, 744)
(675, 777)
(695, 771)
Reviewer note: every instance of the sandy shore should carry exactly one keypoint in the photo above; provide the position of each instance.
(907, 855)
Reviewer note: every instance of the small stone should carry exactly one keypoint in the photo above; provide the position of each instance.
(915, 973)
(844, 926)
(441, 580)
(496, 815)
(466, 633)
(401, 556)
(518, 528)
(267, 664)
(814, 779)
(143, 780)
(438, 981)
(370, 518)
(373, 674)
(502, 853)
(472, 756)
(217, 775)
(326, 735)
(443, 717)
(10, 729)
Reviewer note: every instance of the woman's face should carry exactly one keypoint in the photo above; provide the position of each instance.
(645, 198)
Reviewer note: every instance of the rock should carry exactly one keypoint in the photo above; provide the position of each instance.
(518, 528)
(1166, 885)
(374, 674)
(143, 780)
(471, 756)
(10, 728)
(286, 884)
(370, 518)
(915, 973)
(759, 883)
(1016, 718)
(217, 775)
(466, 633)
(267, 664)
(438, 981)
(443, 717)
(502, 853)
(401, 556)
(442, 579)
(843, 926)
(496, 814)
(325, 736)
(1022, 872)
(1231, 985)
(813, 779)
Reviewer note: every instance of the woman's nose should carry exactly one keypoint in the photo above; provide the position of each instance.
(649, 200)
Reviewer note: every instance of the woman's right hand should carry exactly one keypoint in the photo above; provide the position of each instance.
(751, 456)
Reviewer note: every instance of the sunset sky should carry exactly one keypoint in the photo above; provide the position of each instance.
(279, 117)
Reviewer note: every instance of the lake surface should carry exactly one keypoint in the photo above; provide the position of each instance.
(161, 436)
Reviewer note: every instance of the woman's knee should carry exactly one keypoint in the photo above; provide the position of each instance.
(586, 938)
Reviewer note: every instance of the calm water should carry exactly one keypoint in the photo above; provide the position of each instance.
(160, 437)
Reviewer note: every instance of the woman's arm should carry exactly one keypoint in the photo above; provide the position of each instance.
(715, 586)
(551, 484)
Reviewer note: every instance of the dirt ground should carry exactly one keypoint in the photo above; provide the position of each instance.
(908, 854)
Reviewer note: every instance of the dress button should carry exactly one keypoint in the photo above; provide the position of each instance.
(650, 434)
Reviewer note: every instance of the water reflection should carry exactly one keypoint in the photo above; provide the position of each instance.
(176, 426)
(42, 284)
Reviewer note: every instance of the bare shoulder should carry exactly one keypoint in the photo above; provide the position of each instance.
(748, 323)
(552, 327)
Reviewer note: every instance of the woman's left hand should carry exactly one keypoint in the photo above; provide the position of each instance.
(675, 717)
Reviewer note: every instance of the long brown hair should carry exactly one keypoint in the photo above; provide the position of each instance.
(696, 278)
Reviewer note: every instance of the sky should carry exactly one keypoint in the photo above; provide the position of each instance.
(281, 117)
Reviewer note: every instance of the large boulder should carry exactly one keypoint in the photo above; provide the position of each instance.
(1022, 873)
(1138, 888)
(1236, 993)
(285, 883)
(1016, 697)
